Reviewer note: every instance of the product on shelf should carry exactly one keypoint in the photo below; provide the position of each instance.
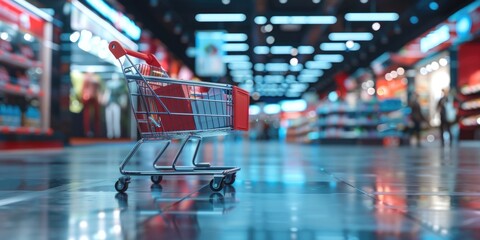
(11, 116)
(5, 46)
(472, 104)
(4, 76)
(22, 79)
(32, 117)
(366, 120)
(27, 51)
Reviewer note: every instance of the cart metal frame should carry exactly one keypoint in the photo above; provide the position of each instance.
(149, 108)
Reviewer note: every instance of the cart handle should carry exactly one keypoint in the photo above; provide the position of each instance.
(119, 51)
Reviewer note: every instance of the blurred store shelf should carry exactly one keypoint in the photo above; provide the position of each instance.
(20, 90)
(24, 130)
(18, 60)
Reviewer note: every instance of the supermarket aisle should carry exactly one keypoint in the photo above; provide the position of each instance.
(283, 192)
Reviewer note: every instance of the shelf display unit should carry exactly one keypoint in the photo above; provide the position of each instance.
(469, 111)
(469, 91)
(366, 122)
(303, 129)
(25, 70)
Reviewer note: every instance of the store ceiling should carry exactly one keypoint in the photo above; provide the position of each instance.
(173, 21)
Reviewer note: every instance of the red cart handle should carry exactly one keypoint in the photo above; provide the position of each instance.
(119, 51)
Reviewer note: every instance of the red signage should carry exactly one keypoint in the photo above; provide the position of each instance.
(26, 21)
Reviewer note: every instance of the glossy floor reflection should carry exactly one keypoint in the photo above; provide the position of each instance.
(284, 191)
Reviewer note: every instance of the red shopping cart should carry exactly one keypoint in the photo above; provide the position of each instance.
(166, 109)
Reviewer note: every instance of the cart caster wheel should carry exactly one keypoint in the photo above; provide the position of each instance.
(216, 186)
(156, 179)
(230, 179)
(121, 186)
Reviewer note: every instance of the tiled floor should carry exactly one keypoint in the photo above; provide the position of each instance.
(284, 191)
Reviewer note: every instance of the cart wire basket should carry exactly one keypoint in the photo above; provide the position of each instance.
(167, 109)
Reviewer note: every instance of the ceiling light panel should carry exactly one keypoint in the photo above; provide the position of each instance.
(277, 67)
(235, 58)
(338, 47)
(259, 67)
(371, 17)
(318, 65)
(306, 50)
(235, 47)
(296, 68)
(261, 50)
(312, 72)
(235, 37)
(303, 20)
(281, 49)
(260, 20)
(240, 65)
(220, 17)
(353, 36)
(329, 57)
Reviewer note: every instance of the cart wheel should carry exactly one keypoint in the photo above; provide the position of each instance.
(230, 179)
(216, 187)
(121, 186)
(156, 179)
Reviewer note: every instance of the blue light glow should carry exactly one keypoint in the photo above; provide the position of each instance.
(271, 109)
(220, 17)
(254, 110)
(121, 21)
(433, 6)
(293, 105)
(354, 36)
(413, 19)
(333, 96)
(371, 17)
(435, 38)
(463, 26)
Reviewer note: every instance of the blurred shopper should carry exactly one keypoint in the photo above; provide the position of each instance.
(417, 117)
(91, 105)
(448, 115)
(113, 98)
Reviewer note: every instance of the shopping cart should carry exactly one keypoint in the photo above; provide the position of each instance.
(166, 109)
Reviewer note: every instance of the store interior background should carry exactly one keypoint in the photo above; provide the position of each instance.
(329, 153)
(311, 80)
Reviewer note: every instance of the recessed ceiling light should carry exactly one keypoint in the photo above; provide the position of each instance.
(413, 19)
(294, 52)
(268, 28)
(270, 40)
(293, 61)
(376, 26)
(349, 44)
